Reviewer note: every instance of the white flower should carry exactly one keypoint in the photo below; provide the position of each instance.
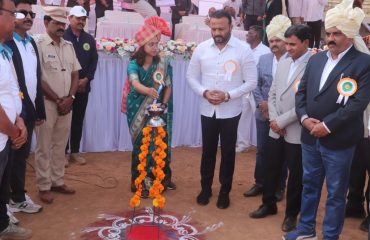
(172, 47)
(132, 49)
(126, 48)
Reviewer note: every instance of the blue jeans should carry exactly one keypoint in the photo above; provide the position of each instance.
(319, 163)
(263, 128)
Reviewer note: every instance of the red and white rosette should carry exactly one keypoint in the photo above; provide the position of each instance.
(230, 67)
(346, 87)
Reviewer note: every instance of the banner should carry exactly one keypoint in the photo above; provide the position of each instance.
(165, 3)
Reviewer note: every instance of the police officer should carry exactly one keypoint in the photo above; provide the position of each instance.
(85, 47)
(59, 77)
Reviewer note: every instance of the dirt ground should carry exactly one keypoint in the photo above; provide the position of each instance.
(103, 187)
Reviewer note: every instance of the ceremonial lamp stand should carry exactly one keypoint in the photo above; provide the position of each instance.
(156, 125)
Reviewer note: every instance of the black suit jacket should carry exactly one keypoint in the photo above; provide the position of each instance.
(29, 111)
(275, 8)
(180, 5)
(344, 121)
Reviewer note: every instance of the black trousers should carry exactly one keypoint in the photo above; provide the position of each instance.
(4, 186)
(251, 20)
(279, 151)
(18, 166)
(174, 22)
(360, 164)
(78, 115)
(214, 129)
(315, 33)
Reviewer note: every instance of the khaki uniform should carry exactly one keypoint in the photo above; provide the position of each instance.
(57, 64)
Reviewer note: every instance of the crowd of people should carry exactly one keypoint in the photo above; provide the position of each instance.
(312, 108)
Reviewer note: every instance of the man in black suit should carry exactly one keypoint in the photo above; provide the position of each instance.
(272, 9)
(27, 68)
(181, 8)
(332, 96)
(101, 6)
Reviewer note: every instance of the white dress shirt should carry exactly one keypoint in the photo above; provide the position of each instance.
(313, 10)
(10, 100)
(275, 62)
(206, 72)
(260, 50)
(53, 2)
(236, 4)
(295, 8)
(295, 65)
(29, 61)
(330, 65)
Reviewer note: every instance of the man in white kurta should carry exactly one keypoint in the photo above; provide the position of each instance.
(220, 71)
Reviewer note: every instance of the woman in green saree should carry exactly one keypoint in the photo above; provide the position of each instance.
(144, 64)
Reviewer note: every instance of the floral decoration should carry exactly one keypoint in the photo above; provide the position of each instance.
(126, 47)
(158, 155)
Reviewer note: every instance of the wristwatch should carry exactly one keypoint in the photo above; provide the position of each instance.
(227, 97)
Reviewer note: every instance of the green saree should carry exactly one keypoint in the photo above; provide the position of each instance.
(137, 119)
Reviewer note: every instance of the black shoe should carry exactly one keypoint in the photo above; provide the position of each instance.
(263, 211)
(203, 198)
(223, 201)
(355, 211)
(279, 195)
(289, 224)
(254, 191)
(171, 186)
(364, 226)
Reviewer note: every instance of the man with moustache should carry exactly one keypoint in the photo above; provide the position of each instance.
(28, 72)
(59, 77)
(266, 68)
(221, 71)
(332, 96)
(87, 55)
(12, 129)
(284, 143)
(85, 48)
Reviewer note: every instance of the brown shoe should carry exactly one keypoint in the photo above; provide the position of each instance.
(63, 189)
(46, 196)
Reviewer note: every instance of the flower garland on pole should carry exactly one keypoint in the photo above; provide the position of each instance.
(158, 155)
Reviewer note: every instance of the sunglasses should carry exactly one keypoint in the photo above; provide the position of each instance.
(23, 13)
(13, 13)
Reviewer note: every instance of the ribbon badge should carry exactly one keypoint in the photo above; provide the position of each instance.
(158, 77)
(296, 84)
(230, 67)
(346, 87)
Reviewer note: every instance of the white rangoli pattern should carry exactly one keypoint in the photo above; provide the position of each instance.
(121, 224)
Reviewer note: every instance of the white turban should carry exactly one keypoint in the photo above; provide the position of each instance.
(278, 26)
(347, 19)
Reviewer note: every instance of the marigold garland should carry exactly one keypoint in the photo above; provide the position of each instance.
(158, 155)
